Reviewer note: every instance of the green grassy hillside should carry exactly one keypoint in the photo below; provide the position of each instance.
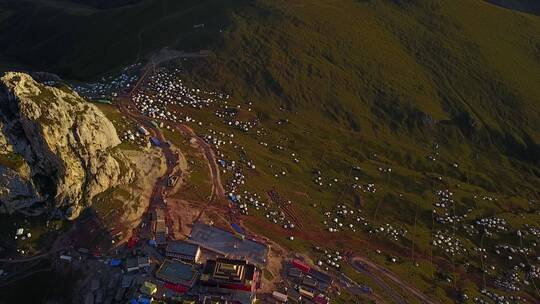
(396, 73)
(357, 79)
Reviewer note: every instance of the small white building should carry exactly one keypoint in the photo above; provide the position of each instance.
(66, 258)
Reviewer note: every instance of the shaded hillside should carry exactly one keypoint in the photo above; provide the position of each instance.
(105, 4)
(79, 41)
(526, 6)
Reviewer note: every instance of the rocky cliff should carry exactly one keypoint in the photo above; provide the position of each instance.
(56, 149)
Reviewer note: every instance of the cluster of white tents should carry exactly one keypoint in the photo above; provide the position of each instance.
(391, 232)
(450, 244)
(516, 271)
(535, 231)
(108, 86)
(165, 88)
(135, 137)
(330, 259)
(489, 224)
(509, 280)
(497, 299)
(366, 188)
(444, 209)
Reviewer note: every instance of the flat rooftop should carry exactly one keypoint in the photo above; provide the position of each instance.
(184, 248)
(226, 243)
(177, 272)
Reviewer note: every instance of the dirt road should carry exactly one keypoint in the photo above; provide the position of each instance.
(158, 198)
(217, 187)
(375, 271)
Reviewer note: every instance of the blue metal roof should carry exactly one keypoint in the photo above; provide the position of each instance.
(116, 262)
(155, 141)
(237, 228)
(144, 300)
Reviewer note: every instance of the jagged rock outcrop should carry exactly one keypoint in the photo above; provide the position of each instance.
(54, 147)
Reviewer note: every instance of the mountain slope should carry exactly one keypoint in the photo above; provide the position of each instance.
(404, 69)
(394, 76)
(444, 93)
(80, 41)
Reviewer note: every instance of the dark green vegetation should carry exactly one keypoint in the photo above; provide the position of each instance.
(399, 77)
(420, 71)
(104, 3)
(80, 41)
(355, 79)
(44, 286)
(43, 229)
